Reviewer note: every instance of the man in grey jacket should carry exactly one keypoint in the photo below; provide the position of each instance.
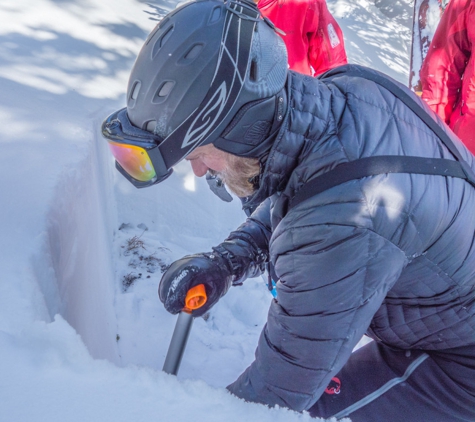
(366, 215)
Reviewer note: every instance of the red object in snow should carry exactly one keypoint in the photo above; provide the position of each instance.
(313, 38)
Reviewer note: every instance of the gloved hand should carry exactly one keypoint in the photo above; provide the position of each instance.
(242, 255)
(210, 269)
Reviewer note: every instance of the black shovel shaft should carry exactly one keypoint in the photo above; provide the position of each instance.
(178, 343)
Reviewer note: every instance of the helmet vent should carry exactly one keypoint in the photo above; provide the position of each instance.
(193, 52)
(163, 91)
(135, 90)
(215, 15)
(152, 34)
(162, 40)
(150, 126)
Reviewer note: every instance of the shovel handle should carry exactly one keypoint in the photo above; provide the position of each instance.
(195, 298)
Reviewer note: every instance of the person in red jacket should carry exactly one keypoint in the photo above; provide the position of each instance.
(448, 71)
(313, 38)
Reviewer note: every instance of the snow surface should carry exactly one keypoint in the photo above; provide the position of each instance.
(83, 335)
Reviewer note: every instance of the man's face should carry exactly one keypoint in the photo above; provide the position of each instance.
(233, 170)
(207, 158)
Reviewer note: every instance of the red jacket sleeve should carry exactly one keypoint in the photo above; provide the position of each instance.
(444, 65)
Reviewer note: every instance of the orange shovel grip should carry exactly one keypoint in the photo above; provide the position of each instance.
(196, 297)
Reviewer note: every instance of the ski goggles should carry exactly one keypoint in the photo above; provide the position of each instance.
(136, 152)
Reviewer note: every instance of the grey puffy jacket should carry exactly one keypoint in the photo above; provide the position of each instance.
(388, 255)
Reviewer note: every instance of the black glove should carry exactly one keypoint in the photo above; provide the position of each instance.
(239, 257)
(210, 269)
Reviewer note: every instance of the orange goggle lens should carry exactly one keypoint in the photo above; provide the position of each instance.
(134, 160)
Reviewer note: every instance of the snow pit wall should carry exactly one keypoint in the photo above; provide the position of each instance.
(80, 226)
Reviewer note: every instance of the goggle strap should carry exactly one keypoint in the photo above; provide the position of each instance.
(158, 162)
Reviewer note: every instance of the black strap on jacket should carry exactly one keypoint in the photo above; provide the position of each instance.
(371, 166)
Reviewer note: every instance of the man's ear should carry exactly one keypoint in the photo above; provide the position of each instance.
(250, 126)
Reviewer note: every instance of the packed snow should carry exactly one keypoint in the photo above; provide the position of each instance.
(83, 335)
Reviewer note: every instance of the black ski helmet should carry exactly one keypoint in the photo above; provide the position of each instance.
(206, 63)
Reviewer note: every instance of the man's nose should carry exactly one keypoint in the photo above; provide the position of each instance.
(199, 168)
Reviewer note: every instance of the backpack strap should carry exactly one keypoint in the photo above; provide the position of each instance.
(371, 166)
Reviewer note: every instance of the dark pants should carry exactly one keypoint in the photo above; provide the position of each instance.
(381, 384)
